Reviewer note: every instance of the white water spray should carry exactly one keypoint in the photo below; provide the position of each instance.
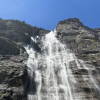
(51, 70)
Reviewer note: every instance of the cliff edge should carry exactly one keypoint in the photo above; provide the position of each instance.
(83, 41)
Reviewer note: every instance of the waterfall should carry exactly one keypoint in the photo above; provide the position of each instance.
(52, 69)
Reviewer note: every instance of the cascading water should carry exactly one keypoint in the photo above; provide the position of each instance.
(50, 71)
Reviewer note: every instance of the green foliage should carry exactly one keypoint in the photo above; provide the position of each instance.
(95, 40)
(23, 22)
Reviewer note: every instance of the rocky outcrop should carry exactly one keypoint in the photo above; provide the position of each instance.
(84, 42)
(12, 77)
(14, 35)
(81, 40)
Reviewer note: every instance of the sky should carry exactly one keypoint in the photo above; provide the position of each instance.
(47, 13)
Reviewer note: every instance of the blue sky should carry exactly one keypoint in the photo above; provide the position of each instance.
(47, 13)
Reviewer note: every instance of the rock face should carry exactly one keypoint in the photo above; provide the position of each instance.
(85, 44)
(12, 77)
(14, 35)
(81, 40)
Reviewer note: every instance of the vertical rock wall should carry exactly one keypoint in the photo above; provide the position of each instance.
(85, 44)
(81, 40)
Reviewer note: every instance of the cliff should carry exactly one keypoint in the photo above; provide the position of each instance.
(14, 35)
(83, 41)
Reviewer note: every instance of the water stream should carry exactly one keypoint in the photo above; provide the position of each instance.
(51, 72)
